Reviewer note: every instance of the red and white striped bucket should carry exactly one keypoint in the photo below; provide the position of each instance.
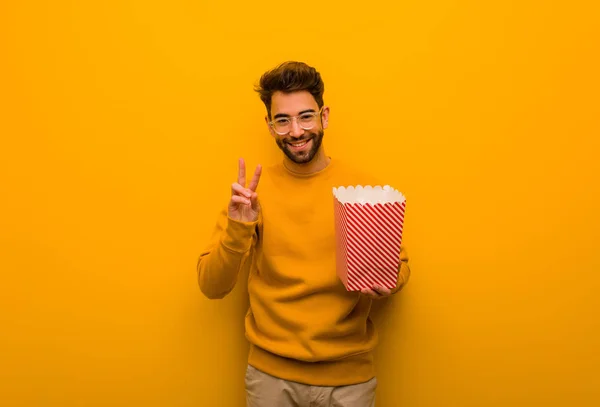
(368, 225)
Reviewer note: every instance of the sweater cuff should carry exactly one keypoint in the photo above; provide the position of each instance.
(238, 235)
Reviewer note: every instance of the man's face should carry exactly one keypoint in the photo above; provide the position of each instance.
(299, 145)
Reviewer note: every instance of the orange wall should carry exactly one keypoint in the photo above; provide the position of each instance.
(120, 127)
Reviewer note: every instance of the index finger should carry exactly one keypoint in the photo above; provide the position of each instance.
(255, 178)
(382, 290)
(242, 173)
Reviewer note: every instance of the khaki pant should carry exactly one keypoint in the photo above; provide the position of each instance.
(263, 390)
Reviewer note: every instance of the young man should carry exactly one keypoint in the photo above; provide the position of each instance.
(311, 339)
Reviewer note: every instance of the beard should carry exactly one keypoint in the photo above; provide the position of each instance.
(301, 157)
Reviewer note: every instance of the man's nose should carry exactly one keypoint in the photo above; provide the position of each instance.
(296, 130)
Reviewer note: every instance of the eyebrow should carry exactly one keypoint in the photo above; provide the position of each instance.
(279, 115)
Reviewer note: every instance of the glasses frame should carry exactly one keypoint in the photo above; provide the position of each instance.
(292, 118)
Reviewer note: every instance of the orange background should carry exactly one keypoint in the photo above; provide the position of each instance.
(121, 122)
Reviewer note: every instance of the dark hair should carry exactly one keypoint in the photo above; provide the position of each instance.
(290, 77)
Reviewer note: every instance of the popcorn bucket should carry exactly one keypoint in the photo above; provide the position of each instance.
(368, 230)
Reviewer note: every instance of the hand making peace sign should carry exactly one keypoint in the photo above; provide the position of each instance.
(243, 205)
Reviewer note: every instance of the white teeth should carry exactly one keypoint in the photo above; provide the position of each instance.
(299, 144)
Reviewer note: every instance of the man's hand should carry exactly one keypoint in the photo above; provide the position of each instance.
(377, 292)
(243, 205)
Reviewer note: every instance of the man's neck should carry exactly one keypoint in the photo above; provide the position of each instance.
(318, 163)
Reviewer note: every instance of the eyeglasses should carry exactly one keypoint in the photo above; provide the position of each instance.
(306, 121)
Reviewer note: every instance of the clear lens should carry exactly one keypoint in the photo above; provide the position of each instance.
(284, 125)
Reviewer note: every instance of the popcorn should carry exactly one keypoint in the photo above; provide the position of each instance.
(368, 228)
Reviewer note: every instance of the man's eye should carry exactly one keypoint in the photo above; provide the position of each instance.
(306, 117)
(282, 122)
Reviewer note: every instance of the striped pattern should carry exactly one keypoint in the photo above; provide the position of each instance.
(368, 241)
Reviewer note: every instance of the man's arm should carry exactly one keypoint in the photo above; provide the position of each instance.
(403, 271)
(219, 265)
(229, 252)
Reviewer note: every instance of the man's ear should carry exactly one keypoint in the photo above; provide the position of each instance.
(325, 117)
(270, 128)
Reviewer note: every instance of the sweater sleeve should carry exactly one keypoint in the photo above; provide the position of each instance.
(226, 256)
(403, 271)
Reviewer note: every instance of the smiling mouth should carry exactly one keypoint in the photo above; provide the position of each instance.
(299, 144)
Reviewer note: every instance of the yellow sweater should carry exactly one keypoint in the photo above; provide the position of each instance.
(302, 324)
